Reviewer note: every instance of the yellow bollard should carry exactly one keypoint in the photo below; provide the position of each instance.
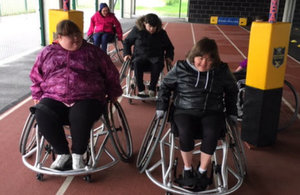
(55, 16)
(268, 49)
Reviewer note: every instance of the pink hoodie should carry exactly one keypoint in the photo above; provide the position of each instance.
(105, 24)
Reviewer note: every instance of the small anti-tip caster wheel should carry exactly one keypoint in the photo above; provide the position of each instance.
(87, 178)
(40, 176)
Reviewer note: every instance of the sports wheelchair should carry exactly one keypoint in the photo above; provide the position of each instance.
(114, 49)
(128, 82)
(289, 105)
(37, 154)
(228, 167)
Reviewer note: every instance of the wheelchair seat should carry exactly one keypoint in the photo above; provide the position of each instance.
(128, 82)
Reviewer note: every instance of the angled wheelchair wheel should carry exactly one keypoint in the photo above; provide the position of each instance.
(150, 142)
(168, 65)
(124, 70)
(289, 106)
(237, 149)
(116, 51)
(120, 131)
(28, 139)
(119, 51)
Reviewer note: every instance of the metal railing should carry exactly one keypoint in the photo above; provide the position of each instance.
(14, 7)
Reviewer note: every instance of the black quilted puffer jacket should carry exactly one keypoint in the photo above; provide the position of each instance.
(200, 91)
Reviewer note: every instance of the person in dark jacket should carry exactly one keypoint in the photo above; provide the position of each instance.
(202, 84)
(151, 47)
(71, 83)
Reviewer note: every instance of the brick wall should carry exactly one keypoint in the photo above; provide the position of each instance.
(201, 10)
(296, 21)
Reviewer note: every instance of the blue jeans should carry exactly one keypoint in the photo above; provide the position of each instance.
(102, 38)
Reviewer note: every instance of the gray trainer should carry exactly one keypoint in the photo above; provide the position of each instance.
(77, 161)
(151, 93)
(60, 161)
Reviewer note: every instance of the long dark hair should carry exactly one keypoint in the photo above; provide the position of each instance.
(203, 47)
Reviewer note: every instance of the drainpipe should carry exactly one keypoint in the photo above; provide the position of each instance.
(26, 7)
(96, 5)
(74, 5)
(42, 24)
(122, 8)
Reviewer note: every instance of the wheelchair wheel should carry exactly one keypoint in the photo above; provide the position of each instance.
(150, 142)
(124, 70)
(28, 139)
(236, 148)
(116, 52)
(120, 131)
(289, 106)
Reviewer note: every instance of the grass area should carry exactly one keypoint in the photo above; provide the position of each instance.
(168, 10)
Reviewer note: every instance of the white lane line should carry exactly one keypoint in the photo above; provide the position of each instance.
(231, 42)
(3, 63)
(294, 59)
(5, 114)
(289, 106)
(65, 185)
(193, 33)
(165, 25)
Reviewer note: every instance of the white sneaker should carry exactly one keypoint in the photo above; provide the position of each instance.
(151, 93)
(60, 161)
(77, 161)
(142, 94)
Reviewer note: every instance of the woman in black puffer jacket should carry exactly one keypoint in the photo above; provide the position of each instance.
(151, 46)
(203, 85)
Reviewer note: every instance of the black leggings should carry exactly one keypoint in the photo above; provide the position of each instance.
(143, 65)
(208, 127)
(81, 117)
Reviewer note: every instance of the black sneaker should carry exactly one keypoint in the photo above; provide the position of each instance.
(202, 181)
(188, 179)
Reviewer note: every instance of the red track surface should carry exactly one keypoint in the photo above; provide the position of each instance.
(271, 170)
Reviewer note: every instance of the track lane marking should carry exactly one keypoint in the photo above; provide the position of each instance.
(63, 188)
(228, 39)
(193, 33)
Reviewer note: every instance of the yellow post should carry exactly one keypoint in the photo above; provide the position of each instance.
(268, 49)
(55, 16)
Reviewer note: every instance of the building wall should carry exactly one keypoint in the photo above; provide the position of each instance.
(201, 10)
(296, 21)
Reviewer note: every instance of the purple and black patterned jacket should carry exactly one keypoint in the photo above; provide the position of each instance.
(68, 76)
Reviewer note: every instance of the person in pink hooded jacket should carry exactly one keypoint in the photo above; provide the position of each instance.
(104, 25)
(72, 81)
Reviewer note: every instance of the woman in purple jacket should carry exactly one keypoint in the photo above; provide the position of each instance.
(103, 27)
(71, 83)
